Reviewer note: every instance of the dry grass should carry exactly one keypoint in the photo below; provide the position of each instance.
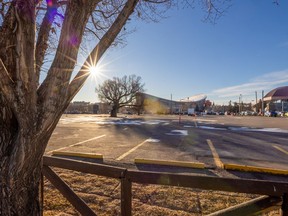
(103, 196)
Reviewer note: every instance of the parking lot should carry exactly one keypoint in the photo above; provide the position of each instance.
(221, 142)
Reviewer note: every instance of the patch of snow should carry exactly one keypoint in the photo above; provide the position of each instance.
(178, 133)
(211, 128)
(274, 130)
(152, 140)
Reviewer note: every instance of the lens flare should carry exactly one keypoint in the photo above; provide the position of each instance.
(93, 70)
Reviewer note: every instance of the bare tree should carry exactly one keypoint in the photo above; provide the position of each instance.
(30, 109)
(120, 92)
(39, 44)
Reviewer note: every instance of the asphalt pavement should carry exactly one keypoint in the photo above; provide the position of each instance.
(225, 144)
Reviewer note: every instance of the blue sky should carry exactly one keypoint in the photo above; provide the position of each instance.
(245, 51)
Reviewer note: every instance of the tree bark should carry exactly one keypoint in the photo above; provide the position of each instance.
(114, 111)
(20, 167)
(22, 148)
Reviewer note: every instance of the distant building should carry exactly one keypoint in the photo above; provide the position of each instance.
(155, 105)
(82, 107)
(78, 107)
(277, 99)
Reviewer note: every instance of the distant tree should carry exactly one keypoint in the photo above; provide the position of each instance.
(230, 108)
(120, 92)
(140, 103)
(235, 108)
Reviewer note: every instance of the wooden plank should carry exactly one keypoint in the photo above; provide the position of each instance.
(42, 195)
(126, 197)
(210, 183)
(86, 167)
(67, 192)
(256, 206)
(284, 207)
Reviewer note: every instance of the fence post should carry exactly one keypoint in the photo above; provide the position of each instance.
(126, 196)
(284, 207)
(42, 195)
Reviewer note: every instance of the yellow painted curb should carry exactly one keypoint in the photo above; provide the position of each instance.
(170, 163)
(78, 154)
(255, 169)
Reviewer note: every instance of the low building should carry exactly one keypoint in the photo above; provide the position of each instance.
(277, 99)
(155, 105)
(82, 107)
(78, 107)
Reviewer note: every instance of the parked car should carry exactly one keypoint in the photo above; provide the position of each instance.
(273, 114)
(248, 113)
(270, 114)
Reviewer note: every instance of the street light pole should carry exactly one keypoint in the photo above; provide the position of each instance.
(262, 108)
(240, 98)
(256, 104)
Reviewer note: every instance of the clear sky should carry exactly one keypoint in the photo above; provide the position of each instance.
(245, 51)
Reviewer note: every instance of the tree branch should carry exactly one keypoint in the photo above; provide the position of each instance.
(43, 36)
(101, 47)
(25, 56)
(53, 91)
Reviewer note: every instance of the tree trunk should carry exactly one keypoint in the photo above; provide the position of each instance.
(19, 190)
(20, 172)
(20, 163)
(114, 111)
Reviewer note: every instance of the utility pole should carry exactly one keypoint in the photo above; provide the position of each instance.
(171, 105)
(262, 110)
(240, 97)
(256, 105)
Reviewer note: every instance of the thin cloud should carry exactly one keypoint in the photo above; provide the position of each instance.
(265, 82)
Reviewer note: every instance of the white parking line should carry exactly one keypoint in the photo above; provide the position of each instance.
(280, 149)
(94, 138)
(131, 150)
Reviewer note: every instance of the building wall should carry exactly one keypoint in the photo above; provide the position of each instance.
(155, 105)
(81, 107)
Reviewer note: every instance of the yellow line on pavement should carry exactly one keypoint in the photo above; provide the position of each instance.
(130, 151)
(78, 154)
(170, 163)
(280, 149)
(255, 169)
(78, 143)
(216, 157)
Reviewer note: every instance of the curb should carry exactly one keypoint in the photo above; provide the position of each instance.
(246, 168)
(170, 163)
(78, 154)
